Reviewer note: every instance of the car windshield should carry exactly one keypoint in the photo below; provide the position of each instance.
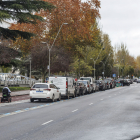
(89, 79)
(40, 86)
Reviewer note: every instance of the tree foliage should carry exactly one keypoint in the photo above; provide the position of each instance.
(21, 12)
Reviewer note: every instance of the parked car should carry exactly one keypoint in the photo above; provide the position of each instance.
(47, 91)
(108, 83)
(97, 85)
(102, 85)
(92, 82)
(138, 81)
(87, 85)
(112, 82)
(80, 89)
(135, 80)
(66, 85)
(131, 81)
(125, 82)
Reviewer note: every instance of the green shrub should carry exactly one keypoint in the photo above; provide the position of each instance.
(16, 88)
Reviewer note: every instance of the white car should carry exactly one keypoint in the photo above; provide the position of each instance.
(47, 91)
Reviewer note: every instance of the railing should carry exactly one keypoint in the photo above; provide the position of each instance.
(18, 83)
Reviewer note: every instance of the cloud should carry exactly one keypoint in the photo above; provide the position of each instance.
(120, 19)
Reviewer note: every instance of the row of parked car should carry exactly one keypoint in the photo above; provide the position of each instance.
(66, 87)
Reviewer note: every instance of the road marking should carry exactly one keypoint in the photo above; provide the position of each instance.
(109, 96)
(90, 103)
(102, 99)
(47, 122)
(75, 110)
(137, 139)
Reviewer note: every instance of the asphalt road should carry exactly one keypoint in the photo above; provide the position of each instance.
(108, 115)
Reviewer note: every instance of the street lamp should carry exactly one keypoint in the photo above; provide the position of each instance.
(97, 59)
(94, 67)
(30, 72)
(50, 47)
(103, 69)
(111, 69)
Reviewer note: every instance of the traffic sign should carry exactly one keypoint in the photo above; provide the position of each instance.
(114, 75)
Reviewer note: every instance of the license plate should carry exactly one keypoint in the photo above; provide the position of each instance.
(39, 91)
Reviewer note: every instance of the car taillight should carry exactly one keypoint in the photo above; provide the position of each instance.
(88, 86)
(48, 89)
(66, 84)
(32, 89)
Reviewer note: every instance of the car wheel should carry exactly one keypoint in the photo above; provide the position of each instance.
(73, 95)
(59, 99)
(68, 96)
(53, 98)
(39, 100)
(31, 100)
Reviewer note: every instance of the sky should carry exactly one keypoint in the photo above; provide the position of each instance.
(120, 19)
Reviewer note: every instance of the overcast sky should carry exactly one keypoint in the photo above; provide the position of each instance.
(120, 19)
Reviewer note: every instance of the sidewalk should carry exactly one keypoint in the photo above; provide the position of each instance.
(18, 93)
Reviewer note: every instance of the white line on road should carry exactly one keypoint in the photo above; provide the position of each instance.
(75, 110)
(101, 99)
(109, 96)
(90, 103)
(47, 122)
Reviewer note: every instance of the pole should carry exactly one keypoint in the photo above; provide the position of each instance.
(30, 72)
(53, 44)
(104, 71)
(118, 71)
(94, 70)
(49, 62)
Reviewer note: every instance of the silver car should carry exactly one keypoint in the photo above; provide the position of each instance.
(87, 85)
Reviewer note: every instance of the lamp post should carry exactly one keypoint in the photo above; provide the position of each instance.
(94, 67)
(50, 47)
(30, 72)
(103, 69)
(97, 59)
(111, 69)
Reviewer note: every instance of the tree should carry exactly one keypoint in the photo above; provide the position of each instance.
(7, 53)
(60, 60)
(21, 12)
(81, 29)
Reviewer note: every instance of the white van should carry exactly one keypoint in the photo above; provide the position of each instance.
(92, 82)
(66, 85)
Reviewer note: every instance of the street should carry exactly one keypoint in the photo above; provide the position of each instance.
(106, 115)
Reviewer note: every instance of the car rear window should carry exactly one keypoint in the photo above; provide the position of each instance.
(40, 86)
(84, 82)
(89, 79)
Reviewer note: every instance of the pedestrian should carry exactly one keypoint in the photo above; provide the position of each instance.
(6, 87)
